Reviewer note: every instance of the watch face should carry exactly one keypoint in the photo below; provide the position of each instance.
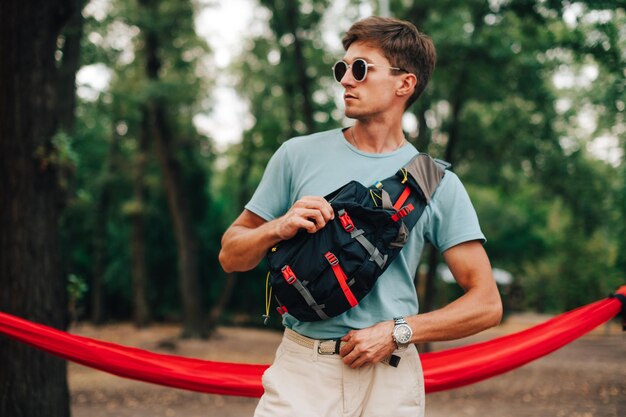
(403, 333)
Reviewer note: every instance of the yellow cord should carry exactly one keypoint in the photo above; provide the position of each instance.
(406, 175)
(268, 297)
(374, 196)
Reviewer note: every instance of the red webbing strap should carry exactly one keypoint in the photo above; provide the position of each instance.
(400, 201)
(341, 278)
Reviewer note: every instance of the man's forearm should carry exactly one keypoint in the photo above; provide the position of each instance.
(245, 242)
(243, 248)
(479, 308)
(475, 311)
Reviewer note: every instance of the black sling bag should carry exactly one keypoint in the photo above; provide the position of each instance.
(315, 276)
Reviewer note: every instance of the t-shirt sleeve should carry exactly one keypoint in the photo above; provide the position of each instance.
(272, 196)
(453, 218)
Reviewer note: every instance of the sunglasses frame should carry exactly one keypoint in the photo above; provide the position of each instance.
(351, 66)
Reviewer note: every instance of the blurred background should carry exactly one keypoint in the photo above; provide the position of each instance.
(180, 105)
(166, 112)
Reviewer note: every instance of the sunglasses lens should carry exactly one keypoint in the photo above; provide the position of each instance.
(359, 69)
(339, 70)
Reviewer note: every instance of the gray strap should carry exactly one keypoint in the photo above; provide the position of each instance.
(387, 204)
(426, 172)
(373, 251)
(401, 238)
(310, 300)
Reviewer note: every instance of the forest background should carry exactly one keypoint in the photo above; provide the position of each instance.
(114, 199)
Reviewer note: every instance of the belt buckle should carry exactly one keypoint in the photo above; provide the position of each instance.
(332, 352)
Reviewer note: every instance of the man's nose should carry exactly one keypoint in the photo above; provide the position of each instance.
(348, 78)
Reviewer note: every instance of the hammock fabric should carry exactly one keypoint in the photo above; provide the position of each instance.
(442, 370)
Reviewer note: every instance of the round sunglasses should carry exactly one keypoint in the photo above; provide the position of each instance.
(359, 69)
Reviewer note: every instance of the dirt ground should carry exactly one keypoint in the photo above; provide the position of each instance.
(586, 378)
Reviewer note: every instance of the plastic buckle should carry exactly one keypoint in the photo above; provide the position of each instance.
(346, 222)
(288, 274)
(404, 211)
(331, 258)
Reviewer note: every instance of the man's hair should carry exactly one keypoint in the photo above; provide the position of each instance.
(401, 43)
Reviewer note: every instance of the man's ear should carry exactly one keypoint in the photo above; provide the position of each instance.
(407, 85)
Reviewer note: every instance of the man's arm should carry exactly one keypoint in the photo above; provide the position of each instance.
(247, 240)
(476, 310)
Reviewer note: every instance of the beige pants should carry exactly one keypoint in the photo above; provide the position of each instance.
(303, 383)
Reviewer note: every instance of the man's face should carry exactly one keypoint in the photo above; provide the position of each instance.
(375, 95)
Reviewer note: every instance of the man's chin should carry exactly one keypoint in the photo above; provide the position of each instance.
(351, 114)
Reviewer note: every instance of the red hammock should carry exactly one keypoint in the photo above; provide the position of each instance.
(442, 370)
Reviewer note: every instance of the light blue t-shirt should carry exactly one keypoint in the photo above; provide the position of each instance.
(318, 164)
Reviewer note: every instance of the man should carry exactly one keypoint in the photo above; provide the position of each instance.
(386, 66)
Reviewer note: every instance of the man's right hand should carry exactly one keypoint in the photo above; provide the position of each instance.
(310, 213)
(247, 240)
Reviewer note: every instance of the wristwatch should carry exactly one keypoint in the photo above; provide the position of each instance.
(402, 333)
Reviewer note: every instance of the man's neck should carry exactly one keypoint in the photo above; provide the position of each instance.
(376, 137)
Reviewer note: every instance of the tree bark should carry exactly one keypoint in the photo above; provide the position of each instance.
(32, 383)
(186, 239)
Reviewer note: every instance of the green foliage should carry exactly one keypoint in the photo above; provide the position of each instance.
(76, 290)
(497, 109)
(107, 141)
(499, 106)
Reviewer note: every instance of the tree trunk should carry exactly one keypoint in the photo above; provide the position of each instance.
(186, 239)
(101, 215)
(141, 307)
(32, 383)
(187, 242)
(424, 135)
(98, 313)
(222, 300)
(455, 127)
(245, 164)
(304, 81)
(70, 62)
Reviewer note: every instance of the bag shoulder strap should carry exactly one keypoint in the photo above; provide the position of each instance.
(427, 173)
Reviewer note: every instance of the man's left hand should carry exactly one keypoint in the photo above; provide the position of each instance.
(368, 346)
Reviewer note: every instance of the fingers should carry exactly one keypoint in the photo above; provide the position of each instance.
(316, 203)
(308, 213)
(358, 357)
(309, 219)
(353, 354)
(367, 346)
